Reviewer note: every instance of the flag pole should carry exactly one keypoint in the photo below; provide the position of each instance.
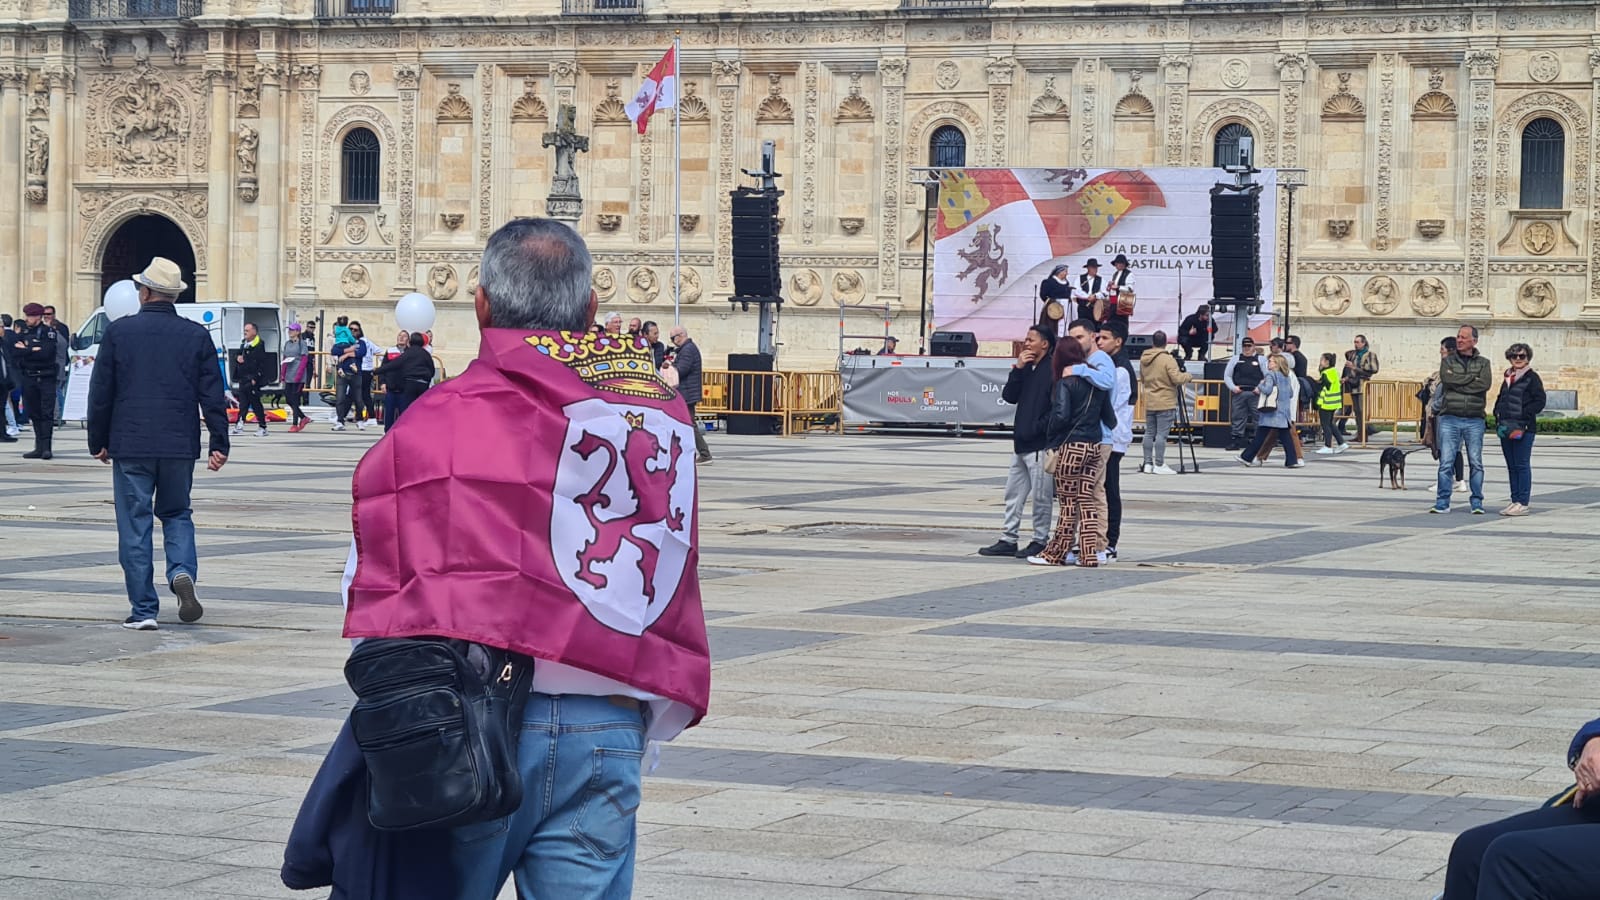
(677, 177)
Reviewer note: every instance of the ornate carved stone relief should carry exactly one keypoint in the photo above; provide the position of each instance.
(1435, 104)
(691, 289)
(38, 165)
(1049, 105)
(604, 282)
(1339, 229)
(805, 287)
(1384, 200)
(1134, 104)
(810, 100)
(691, 105)
(1332, 296)
(774, 109)
(848, 287)
(146, 123)
(355, 282)
(1429, 297)
(1380, 296)
(947, 75)
(1430, 228)
(611, 110)
(529, 107)
(245, 150)
(407, 78)
(726, 73)
(442, 284)
(1233, 108)
(1544, 66)
(854, 107)
(333, 132)
(486, 154)
(643, 285)
(1000, 71)
(1089, 73)
(1175, 70)
(1481, 65)
(454, 107)
(1536, 299)
(1235, 73)
(1344, 106)
(108, 210)
(892, 71)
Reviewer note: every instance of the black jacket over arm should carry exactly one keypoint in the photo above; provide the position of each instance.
(1075, 410)
(409, 373)
(154, 371)
(1028, 389)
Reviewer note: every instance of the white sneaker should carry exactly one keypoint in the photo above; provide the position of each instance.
(12, 431)
(1144, 468)
(1102, 558)
(1326, 451)
(1343, 448)
(262, 431)
(1461, 487)
(1040, 561)
(133, 624)
(1071, 559)
(338, 426)
(362, 425)
(1162, 470)
(237, 429)
(1299, 464)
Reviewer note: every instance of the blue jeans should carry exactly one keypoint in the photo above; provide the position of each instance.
(1455, 434)
(1519, 466)
(141, 487)
(574, 837)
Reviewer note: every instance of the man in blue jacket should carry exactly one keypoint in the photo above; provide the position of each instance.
(1546, 853)
(153, 371)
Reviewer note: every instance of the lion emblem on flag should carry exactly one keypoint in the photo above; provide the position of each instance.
(622, 511)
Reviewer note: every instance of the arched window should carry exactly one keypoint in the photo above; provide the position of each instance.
(362, 155)
(1227, 143)
(1544, 151)
(947, 148)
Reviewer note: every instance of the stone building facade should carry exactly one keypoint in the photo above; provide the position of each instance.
(334, 154)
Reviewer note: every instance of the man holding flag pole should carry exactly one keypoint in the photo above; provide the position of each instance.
(660, 91)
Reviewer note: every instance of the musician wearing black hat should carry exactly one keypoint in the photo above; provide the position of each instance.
(1091, 287)
(1121, 280)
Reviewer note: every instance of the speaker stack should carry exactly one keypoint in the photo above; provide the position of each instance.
(755, 246)
(1236, 246)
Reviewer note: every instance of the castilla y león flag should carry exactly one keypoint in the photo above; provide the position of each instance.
(659, 91)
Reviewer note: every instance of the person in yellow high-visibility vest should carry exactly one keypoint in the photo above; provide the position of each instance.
(1330, 396)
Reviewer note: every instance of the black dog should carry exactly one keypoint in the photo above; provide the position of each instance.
(1393, 464)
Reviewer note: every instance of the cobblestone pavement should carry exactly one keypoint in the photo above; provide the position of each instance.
(1293, 683)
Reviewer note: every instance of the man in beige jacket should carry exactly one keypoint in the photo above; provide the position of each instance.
(1161, 378)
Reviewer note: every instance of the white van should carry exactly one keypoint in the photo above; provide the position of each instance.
(225, 321)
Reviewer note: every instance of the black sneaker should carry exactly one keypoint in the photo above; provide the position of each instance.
(999, 548)
(189, 608)
(1033, 549)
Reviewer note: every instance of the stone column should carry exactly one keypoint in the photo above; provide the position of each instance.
(1481, 67)
(1086, 85)
(269, 242)
(1000, 70)
(726, 74)
(810, 103)
(1383, 201)
(1175, 106)
(1591, 302)
(892, 70)
(59, 255)
(307, 79)
(220, 188)
(1292, 67)
(11, 176)
(408, 78)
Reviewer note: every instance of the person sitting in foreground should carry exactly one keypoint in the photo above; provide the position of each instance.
(1545, 854)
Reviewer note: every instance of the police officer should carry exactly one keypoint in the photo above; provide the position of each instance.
(40, 355)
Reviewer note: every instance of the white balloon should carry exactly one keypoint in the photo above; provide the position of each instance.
(414, 312)
(122, 299)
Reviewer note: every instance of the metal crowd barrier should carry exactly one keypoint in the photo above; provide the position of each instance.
(795, 401)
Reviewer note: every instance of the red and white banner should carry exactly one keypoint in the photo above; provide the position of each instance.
(999, 232)
(659, 91)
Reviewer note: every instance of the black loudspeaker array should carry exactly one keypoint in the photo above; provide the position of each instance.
(1236, 245)
(755, 246)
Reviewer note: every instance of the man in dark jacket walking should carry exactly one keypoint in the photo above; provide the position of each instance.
(251, 371)
(153, 371)
(40, 355)
(1465, 377)
(687, 362)
(1028, 388)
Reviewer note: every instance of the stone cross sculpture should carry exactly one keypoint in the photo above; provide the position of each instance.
(565, 203)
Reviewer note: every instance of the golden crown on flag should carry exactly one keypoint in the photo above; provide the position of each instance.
(620, 364)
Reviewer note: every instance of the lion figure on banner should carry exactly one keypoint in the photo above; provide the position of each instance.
(986, 256)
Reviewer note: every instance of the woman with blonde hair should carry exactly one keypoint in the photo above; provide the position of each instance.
(1276, 408)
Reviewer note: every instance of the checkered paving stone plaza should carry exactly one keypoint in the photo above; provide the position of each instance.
(1294, 684)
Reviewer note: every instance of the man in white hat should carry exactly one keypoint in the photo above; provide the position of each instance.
(153, 371)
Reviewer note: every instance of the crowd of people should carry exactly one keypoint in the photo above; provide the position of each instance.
(1075, 393)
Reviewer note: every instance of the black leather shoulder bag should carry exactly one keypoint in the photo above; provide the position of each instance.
(437, 721)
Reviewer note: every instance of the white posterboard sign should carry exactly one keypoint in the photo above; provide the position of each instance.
(78, 377)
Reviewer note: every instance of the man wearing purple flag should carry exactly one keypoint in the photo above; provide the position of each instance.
(542, 503)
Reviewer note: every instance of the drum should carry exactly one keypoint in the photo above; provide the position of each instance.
(1125, 301)
(1053, 311)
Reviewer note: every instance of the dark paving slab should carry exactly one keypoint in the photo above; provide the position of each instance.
(1190, 640)
(69, 643)
(862, 493)
(27, 715)
(1178, 796)
(732, 641)
(208, 592)
(970, 600)
(1275, 549)
(59, 561)
(1487, 576)
(26, 764)
(332, 702)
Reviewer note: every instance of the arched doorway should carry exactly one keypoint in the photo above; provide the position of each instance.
(140, 239)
